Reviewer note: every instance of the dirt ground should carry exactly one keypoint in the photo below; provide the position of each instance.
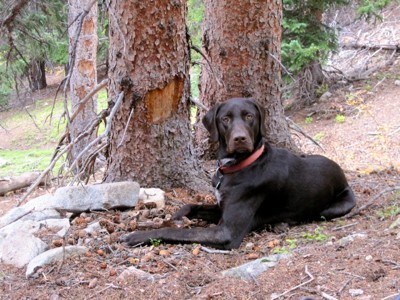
(366, 144)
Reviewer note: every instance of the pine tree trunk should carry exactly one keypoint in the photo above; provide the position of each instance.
(84, 73)
(242, 42)
(37, 75)
(150, 139)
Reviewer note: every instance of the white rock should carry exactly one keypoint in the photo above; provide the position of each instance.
(254, 268)
(397, 82)
(97, 197)
(344, 241)
(19, 248)
(356, 292)
(155, 195)
(53, 255)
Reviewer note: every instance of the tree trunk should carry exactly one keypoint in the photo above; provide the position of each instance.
(37, 74)
(242, 42)
(150, 139)
(84, 72)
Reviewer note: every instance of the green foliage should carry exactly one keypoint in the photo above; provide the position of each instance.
(340, 119)
(389, 211)
(317, 235)
(290, 245)
(305, 38)
(155, 242)
(308, 120)
(370, 8)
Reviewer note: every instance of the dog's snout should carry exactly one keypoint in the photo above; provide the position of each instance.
(240, 139)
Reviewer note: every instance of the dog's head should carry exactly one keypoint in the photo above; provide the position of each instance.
(238, 125)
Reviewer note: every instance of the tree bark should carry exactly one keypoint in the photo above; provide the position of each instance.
(37, 74)
(84, 73)
(150, 139)
(242, 41)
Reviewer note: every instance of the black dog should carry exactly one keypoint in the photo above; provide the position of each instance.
(256, 184)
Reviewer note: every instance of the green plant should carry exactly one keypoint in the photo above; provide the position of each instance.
(155, 242)
(316, 235)
(340, 118)
(319, 136)
(322, 89)
(291, 244)
(308, 120)
(389, 211)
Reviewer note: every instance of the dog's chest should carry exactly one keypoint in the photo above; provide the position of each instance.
(217, 194)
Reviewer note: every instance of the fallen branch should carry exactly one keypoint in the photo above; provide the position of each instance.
(297, 286)
(370, 202)
(221, 84)
(18, 182)
(297, 128)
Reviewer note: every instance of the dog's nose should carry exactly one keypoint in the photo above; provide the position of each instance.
(239, 139)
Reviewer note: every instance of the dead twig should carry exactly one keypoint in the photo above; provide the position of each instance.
(344, 226)
(297, 128)
(297, 286)
(370, 202)
(221, 84)
(215, 251)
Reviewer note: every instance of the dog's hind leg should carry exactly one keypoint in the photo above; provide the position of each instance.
(343, 203)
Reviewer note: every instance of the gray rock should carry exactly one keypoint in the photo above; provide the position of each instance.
(93, 227)
(19, 248)
(97, 197)
(356, 292)
(254, 268)
(325, 96)
(13, 215)
(51, 256)
(344, 241)
(18, 245)
(136, 273)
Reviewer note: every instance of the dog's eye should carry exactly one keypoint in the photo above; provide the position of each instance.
(226, 119)
(249, 117)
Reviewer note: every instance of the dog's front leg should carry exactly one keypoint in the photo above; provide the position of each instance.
(217, 236)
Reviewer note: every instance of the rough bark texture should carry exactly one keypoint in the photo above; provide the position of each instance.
(84, 74)
(37, 75)
(150, 138)
(242, 40)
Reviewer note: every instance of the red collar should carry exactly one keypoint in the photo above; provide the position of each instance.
(244, 163)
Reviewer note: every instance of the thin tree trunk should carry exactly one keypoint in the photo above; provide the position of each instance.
(37, 74)
(150, 140)
(84, 73)
(242, 42)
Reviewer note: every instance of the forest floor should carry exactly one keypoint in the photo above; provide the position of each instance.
(359, 127)
(364, 140)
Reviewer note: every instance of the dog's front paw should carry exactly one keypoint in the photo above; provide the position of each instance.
(136, 238)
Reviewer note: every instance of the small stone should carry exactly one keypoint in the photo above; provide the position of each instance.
(113, 272)
(100, 252)
(249, 246)
(368, 258)
(356, 292)
(82, 234)
(93, 283)
(397, 82)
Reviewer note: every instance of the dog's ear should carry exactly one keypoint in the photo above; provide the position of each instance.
(210, 122)
(261, 111)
